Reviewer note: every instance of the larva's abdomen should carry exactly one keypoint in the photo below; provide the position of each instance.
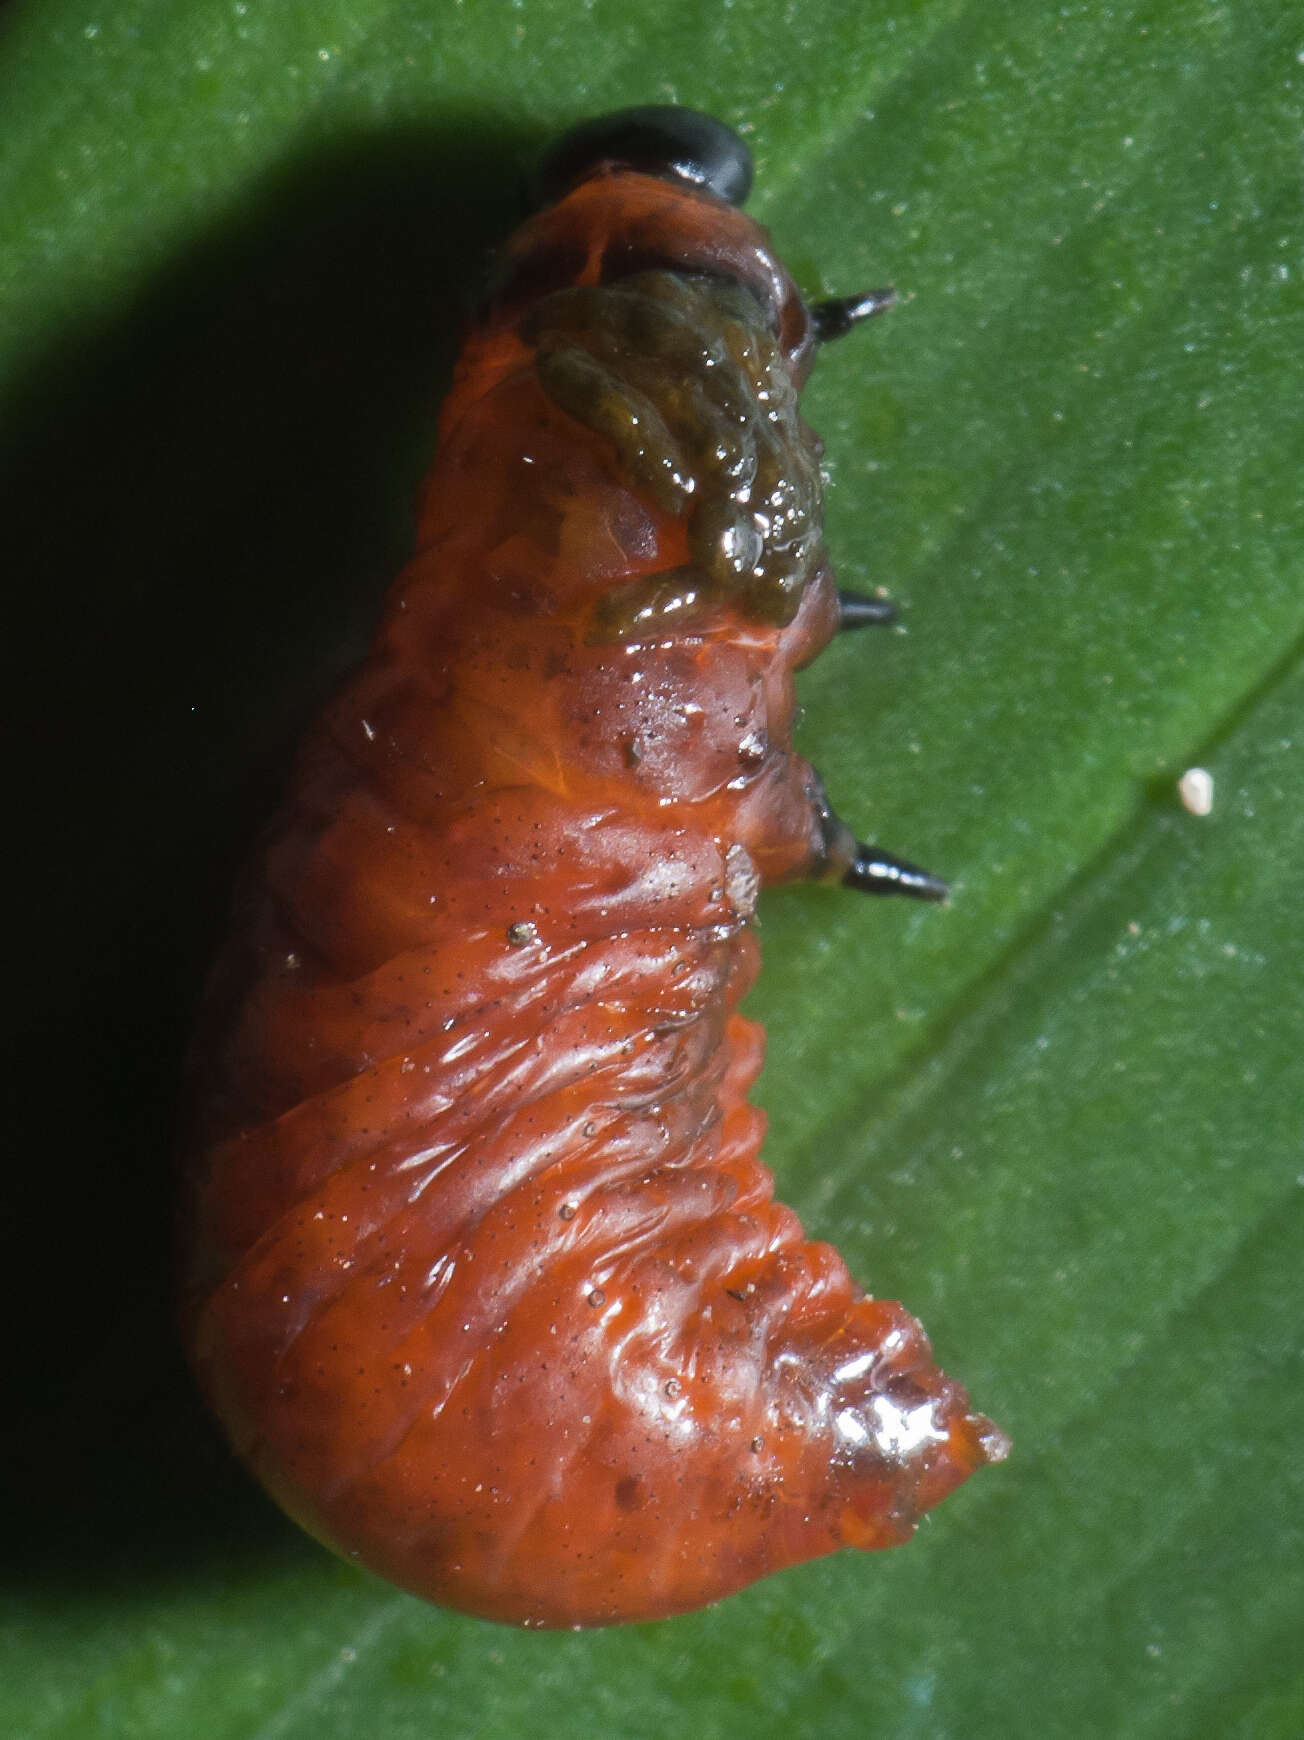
(487, 1281)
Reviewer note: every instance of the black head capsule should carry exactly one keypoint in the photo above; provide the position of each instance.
(660, 139)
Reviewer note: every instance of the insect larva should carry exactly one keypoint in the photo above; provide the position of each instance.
(485, 1277)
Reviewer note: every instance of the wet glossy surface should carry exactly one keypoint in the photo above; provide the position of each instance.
(681, 378)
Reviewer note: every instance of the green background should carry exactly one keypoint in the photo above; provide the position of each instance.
(1060, 1118)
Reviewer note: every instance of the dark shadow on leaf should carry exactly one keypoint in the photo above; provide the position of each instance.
(205, 503)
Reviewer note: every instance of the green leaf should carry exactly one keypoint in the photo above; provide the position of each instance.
(1061, 1118)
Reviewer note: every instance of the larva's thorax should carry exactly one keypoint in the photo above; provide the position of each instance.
(619, 560)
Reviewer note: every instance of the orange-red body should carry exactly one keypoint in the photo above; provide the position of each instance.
(485, 1277)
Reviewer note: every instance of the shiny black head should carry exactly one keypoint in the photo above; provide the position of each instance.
(676, 144)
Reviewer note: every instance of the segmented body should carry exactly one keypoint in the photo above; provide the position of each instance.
(487, 1281)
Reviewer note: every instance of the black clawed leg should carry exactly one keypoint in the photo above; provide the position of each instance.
(876, 872)
(842, 858)
(861, 610)
(836, 317)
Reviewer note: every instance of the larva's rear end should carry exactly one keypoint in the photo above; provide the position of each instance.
(487, 1281)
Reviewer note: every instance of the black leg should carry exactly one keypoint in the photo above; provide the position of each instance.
(836, 317)
(876, 872)
(843, 858)
(861, 610)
